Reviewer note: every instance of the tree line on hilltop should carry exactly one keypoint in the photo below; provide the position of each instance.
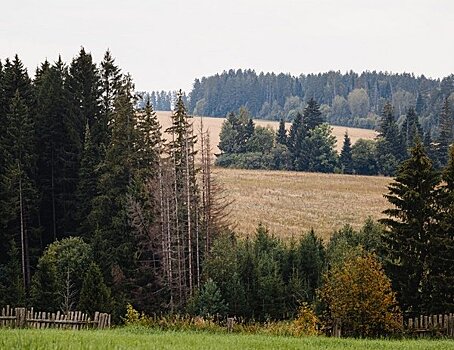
(349, 99)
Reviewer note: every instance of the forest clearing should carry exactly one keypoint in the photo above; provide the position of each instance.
(138, 338)
(291, 203)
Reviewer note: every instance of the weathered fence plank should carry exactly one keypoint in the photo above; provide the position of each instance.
(21, 317)
(431, 325)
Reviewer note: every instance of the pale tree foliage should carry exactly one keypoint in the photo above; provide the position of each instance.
(358, 102)
(359, 297)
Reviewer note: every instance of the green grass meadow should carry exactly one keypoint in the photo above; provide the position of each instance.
(127, 338)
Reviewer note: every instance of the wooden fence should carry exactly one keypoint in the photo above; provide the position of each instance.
(431, 325)
(21, 317)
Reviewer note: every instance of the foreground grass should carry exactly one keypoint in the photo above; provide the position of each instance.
(126, 338)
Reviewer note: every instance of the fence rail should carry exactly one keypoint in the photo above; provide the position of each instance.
(432, 325)
(21, 317)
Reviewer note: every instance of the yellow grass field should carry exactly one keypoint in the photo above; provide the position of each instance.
(214, 125)
(290, 203)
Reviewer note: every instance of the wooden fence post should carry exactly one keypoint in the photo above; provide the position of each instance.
(20, 317)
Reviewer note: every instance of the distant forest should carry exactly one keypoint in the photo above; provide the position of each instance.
(349, 99)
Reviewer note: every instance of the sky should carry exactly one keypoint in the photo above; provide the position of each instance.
(165, 45)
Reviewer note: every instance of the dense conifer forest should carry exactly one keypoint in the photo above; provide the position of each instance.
(348, 99)
(97, 210)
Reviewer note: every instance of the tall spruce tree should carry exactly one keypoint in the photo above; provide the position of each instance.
(295, 141)
(150, 141)
(319, 153)
(281, 136)
(114, 243)
(411, 128)
(145, 210)
(55, 156)
(19, 179)
(94, 295)
(87, 187)
(439, 289)
(312, 117)
(14, 79)
(410, 227)
(110, 76)
(346, 155)
(12, 290)
(85, 87)
(390, 148)
(445, 134)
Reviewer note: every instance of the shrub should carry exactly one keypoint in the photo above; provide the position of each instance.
(359, 295)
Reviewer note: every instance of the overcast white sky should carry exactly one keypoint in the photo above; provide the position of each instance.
(167, 44)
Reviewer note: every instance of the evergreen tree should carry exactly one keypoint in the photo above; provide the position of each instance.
(270, 289)
(94, 296)
(439, 287)
(410, 227)
(320, 155)
(420, 106)
(145, 211)
(411, 128)
(296, 138)
(87, 189)
(85, 87)
(249, 130)
(311, 259)
(236, 131)
(363, 157)
(445, 134)
(390, 148)
(247, 270)
(222, 266)
(149, 141)
(44, 293)
(55, 158)
(430, 147)
(11, 283)
(312, 117)
(209, 302)
(281, 136)
(346, 155)
(18, 179)
(14, 81)
(110, 76)
(109, 209)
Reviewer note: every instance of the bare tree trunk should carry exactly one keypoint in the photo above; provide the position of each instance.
(169, 258)
(54, 223)
(188, 200)
(197, 246)
(22, 231)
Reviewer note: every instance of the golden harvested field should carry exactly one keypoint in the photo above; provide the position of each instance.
(290, 203)
(214, 125)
